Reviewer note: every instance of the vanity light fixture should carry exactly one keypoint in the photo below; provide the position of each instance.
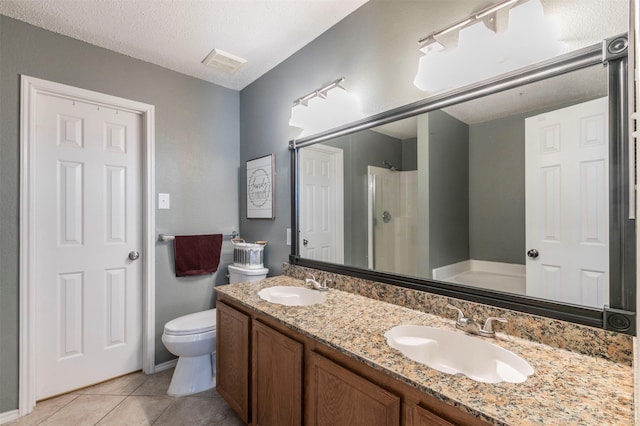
(325, 108)
(501, 38)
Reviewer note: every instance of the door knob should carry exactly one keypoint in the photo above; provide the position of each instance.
(134, 255)
(305, 242)
(533, 253)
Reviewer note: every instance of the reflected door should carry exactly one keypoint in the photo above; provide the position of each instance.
(88, 222)
(321, 203)
(567, 217)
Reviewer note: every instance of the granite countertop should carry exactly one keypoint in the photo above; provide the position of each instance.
(566, 388)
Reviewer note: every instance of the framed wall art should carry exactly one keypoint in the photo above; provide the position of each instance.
(260, 199)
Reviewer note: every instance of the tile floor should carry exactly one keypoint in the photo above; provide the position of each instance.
(134, 399)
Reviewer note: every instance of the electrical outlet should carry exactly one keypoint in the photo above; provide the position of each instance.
(288, 236)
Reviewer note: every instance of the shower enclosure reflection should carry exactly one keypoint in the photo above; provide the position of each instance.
(392, 219)
(462, 194)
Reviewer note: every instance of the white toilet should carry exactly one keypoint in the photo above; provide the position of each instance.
(193, 339)
(240, 275)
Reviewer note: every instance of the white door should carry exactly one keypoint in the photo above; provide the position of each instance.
(88, 220)
(321, 203)
(567, 218)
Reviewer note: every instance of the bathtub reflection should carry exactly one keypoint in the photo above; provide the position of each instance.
(483, 274)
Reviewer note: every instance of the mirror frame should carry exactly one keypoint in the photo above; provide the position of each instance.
(620, 315)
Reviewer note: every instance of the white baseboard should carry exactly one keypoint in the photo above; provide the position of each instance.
(7, 416)
(166, 365)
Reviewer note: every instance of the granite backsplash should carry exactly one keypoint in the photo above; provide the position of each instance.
(616, 347)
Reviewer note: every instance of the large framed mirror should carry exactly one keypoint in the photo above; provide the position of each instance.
(516, 192)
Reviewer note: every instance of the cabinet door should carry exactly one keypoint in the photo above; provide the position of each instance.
(424, 417)
(277, 377)
(232, 358)
(337, 396)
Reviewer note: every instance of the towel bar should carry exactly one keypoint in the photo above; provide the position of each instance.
(232, 235)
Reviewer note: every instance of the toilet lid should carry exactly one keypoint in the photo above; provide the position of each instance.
(200, 322)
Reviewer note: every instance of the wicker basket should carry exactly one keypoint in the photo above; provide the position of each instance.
(248, 255)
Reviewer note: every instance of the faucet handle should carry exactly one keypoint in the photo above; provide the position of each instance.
(487, 329)
(461, 315)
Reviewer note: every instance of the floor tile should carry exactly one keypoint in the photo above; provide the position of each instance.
(44, 410)
(137, 411)
(135, 400)
(124, 385)
(155, 385)
(84, 410)
(199, 411)
(211, 393)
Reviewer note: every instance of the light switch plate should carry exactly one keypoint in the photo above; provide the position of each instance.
(163, 201)
(288, 236)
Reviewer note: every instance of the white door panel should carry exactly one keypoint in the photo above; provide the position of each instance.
(567, 198)
(321, 207)
(88, 219)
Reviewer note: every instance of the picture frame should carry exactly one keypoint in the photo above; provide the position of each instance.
(260, 188)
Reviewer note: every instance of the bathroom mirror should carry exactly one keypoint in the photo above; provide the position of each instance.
(514, 192)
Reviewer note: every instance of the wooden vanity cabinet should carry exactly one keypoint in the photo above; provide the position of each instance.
(272, 375)
(277, 362)
(416, 407)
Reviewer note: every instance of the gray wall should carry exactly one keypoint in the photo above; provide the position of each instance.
(448, 190)
(197, 161)
(378, 33)
(497, 190)
(409, 154)
(376, 50)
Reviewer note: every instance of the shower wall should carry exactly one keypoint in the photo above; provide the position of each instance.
(393, 220)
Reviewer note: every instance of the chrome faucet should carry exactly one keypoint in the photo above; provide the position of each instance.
(471, 326)
(316, 285)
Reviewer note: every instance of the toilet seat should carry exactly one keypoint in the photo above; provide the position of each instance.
(197, 323)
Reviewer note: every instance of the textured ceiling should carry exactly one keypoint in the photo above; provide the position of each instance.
(179, 34)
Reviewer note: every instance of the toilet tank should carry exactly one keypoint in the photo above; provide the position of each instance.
(239, 275)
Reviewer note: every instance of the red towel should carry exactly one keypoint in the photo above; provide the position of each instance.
(197, 254)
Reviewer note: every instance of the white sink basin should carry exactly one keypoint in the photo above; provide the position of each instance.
(458, 353)
(292, 296)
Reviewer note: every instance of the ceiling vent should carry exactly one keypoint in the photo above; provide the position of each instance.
(223, 61)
